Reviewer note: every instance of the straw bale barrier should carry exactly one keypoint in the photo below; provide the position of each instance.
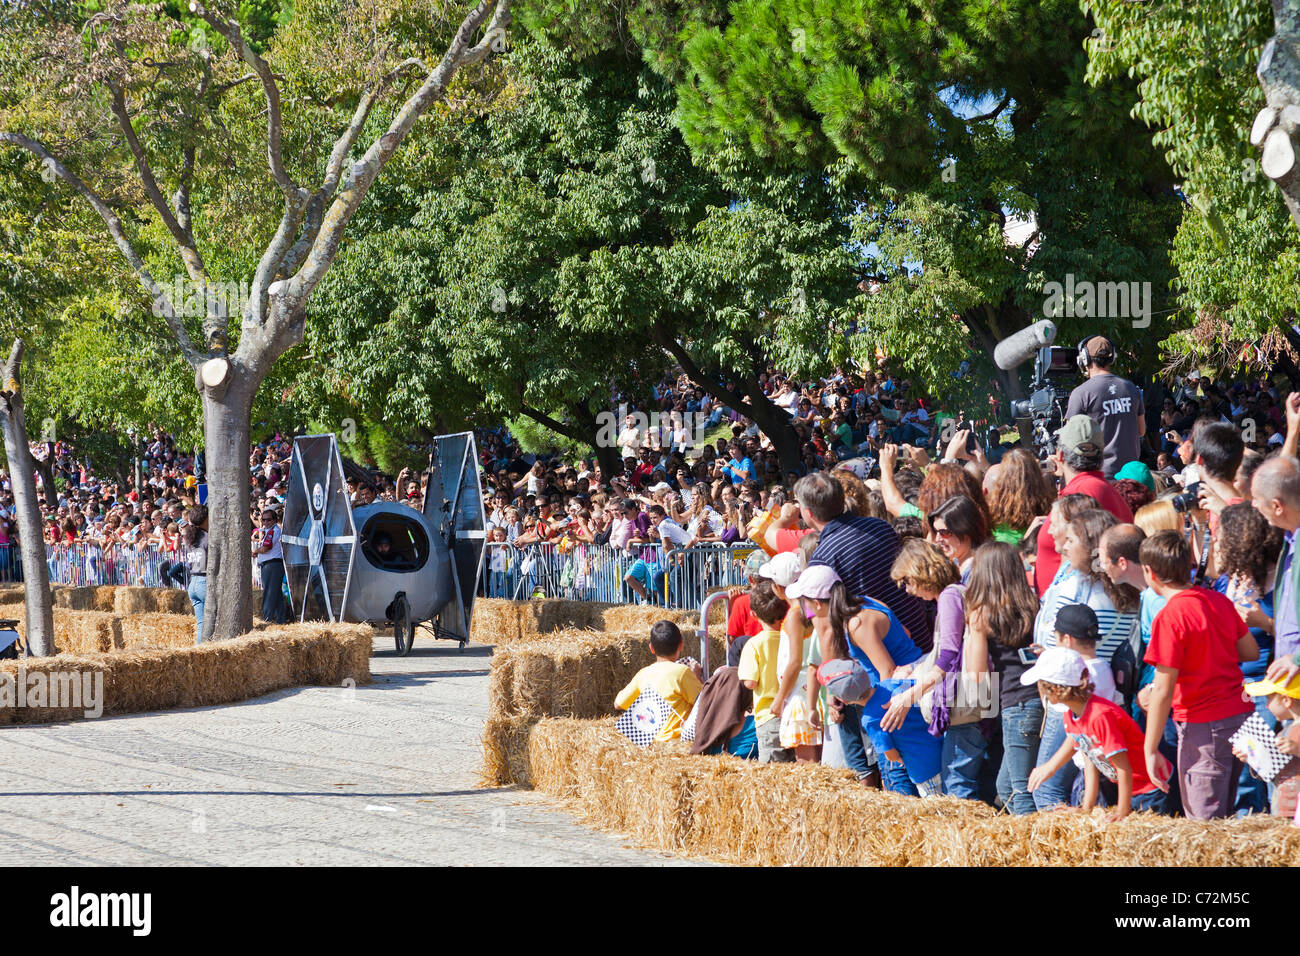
(121, 600)
(498, 621)
(741, 812)
(203, 675)
(575, 673)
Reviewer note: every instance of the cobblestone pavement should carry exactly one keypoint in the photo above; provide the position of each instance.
(378, 774)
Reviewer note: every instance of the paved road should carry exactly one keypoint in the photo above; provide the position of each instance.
(378, 774)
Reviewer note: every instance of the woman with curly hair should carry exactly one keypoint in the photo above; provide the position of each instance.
(1246, 550)
(946, 481)
(1019, 494)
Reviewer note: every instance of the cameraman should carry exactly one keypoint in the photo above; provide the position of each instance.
(1112, 402)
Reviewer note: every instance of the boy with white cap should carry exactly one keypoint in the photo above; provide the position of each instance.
(1102, 730)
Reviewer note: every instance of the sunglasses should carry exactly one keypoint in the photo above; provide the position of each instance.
(943, 533)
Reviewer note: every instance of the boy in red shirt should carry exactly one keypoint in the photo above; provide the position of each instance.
(1108, 737)
(1198, 641)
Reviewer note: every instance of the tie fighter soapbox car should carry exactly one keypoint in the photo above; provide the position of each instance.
(385, 563)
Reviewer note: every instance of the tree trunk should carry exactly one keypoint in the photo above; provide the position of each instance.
(46, 470)
(228, 610)
(22, 472)
(776, 423)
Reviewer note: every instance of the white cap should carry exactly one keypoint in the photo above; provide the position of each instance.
(815, 582)
(783, 569)
(1057, 665)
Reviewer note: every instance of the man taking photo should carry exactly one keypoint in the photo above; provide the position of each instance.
(1112, 402)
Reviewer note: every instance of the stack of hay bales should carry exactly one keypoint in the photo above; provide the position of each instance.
(498, 621)
(203, 675)
(781, 814)
(574, 673)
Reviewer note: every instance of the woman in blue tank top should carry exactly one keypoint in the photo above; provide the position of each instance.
(869, 633)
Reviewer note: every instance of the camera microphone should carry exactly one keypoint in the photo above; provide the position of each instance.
(1024, 345)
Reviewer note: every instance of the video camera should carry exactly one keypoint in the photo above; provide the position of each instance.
(1045, 406)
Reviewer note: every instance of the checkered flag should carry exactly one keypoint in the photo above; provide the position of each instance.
(642, 722)
(1256, 741)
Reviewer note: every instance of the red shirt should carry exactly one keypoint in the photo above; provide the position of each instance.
(1094, 485)
(741, 621)
(787, 539)
(1104, 729)
(1197, 633)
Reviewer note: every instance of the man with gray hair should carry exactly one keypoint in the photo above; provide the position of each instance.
(1275, 493)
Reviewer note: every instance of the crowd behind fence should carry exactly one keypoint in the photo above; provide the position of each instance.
(84, 564)
(679, 578)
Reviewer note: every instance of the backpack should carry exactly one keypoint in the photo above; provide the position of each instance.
(1126, 664)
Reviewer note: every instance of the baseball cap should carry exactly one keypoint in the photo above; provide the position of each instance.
(784, 569)
(846, 679)
(1078, 620)
(815, 582)
(1079, 433)
(1262, 687)
(1136, 471)
(1057, 665)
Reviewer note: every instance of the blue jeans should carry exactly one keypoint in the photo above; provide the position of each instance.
(1021, 727)
(1056, 790)
(963, 756)
(850, 733)
(198, 592)
(894, 778)
(273, 609)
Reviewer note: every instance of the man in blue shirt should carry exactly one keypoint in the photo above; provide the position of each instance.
(1275, 493)
(741, 466)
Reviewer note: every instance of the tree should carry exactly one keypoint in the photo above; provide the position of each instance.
(947, 122)
(149, 116)
(1236, 251)
(567, 237)
(36, 574)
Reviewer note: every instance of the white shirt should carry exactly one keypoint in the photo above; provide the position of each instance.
(277, 547)
(674, 532)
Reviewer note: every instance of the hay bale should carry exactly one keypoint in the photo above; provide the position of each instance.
(83, 632)
(505, 752)
(103, 598)
(74, 599)
(138, 600)
(640, 617)
(154, 631)
(742, 812)
(495, 621)
(12, 594)
(71, 678)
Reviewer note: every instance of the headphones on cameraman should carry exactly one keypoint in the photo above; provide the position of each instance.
(1084, 357)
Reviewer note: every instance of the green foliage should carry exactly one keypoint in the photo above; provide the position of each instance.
(536, 439)
(1236, 250)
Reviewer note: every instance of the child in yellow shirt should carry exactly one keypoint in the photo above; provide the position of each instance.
(677, 684)
(757, 670)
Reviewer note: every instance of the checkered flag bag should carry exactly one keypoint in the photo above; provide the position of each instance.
(1255, 739)
(642, 722)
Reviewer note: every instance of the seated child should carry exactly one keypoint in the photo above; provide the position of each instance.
(1101, 729)
(912, 744)
(675, 683)
(757, 670)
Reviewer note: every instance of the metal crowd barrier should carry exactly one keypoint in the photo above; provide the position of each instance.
(677, 579)
(82, 563)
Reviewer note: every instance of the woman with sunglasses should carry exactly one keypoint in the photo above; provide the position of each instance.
(958, 527)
